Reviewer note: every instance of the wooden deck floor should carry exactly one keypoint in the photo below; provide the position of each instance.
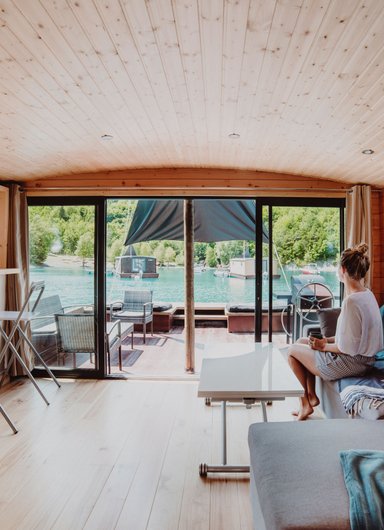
(122, 454)
(163, 355)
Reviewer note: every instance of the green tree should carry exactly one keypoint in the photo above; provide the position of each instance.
(85, 247)
(211, 259)
(199, 252)
(115, 250)
(226, 250)
(41, 238)
(169, 255)
(144, 249)
(159, 253)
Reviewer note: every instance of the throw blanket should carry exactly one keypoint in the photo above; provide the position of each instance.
(354, 397)
(364, 480)
(359, 392)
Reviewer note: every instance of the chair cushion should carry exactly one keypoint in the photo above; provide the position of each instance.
(297, 470)
(158, 308)
(328, 320)
(129, 314)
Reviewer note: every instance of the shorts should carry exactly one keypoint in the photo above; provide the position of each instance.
(337, 365)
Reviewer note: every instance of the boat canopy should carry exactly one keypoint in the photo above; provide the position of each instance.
(215, 220)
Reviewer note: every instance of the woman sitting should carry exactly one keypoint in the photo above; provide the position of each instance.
(359, 335)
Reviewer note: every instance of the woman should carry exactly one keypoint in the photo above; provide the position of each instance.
(359, 334)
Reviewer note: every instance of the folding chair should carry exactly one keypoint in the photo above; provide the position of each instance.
(23, 316)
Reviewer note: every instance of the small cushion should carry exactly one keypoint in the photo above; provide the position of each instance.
(328, 320)
(159, 307)
(240, 308)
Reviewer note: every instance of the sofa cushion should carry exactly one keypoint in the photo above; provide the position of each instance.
(328, 320)
(297, 470)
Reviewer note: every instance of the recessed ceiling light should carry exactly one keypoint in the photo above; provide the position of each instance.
(234, 136)
(107, 137)
(368, 152)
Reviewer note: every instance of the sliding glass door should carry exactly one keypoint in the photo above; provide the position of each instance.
(251, 258)
(299, 263)
(63, 253)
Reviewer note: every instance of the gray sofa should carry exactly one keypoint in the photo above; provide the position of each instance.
(296, 477)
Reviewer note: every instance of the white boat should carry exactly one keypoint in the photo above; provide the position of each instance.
(199, 268)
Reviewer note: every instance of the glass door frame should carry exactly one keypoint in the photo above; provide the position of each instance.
(100, 204)
(270, 202)
(99, 372)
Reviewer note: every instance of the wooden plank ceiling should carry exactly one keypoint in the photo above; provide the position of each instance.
(301, 82)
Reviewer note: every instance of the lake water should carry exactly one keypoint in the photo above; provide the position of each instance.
(76, 285)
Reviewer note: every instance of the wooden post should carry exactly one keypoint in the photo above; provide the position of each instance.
(189, 300)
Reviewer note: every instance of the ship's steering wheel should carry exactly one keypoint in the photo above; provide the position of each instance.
(307, 303)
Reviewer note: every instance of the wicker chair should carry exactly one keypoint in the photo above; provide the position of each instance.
(137, 307)
(75, 334)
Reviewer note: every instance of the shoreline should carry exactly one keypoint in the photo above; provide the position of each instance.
(65, 261)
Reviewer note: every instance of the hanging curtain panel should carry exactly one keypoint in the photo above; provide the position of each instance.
(359, 221)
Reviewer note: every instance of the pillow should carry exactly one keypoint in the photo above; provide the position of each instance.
(328, 320)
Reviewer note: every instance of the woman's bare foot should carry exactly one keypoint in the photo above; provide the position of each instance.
(306, 409)
(313, 400)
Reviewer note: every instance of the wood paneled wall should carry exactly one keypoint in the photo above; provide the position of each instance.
(378, 246)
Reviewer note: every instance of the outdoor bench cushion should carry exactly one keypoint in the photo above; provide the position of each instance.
(297, 472)
(240, 308)
(158, 308)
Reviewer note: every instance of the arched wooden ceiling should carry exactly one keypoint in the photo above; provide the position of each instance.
(301, 82)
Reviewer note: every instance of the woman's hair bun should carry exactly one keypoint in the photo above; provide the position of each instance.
(362, 248)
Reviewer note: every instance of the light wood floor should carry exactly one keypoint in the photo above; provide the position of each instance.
(122, 454)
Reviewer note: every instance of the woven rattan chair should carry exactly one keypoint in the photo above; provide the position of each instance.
(137, 307)
(75, 334)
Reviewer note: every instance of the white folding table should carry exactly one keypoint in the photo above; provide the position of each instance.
(16, 318)
(262, 375)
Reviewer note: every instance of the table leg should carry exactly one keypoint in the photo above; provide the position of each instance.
(264, 409)
(204, 469)
(224, 430)
(8, 419)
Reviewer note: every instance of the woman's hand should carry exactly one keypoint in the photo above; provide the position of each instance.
(317, 344)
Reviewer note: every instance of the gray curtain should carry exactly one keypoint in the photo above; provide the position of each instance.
(17, 257)
(359, 222)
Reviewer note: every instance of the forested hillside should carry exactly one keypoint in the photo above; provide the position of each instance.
(301, 235)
